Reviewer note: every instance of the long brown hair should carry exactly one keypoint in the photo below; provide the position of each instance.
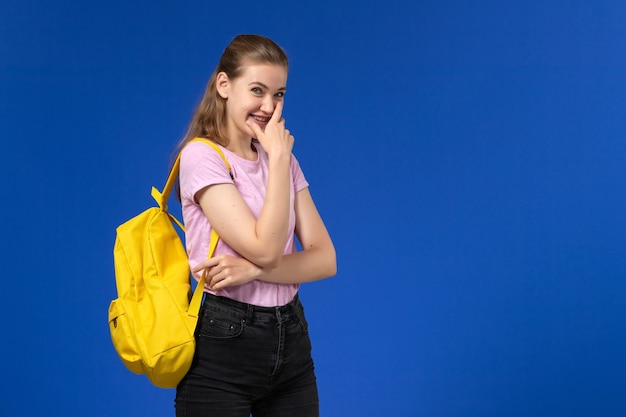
(209, 118)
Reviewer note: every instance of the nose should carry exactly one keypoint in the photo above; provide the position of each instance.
(267, 106)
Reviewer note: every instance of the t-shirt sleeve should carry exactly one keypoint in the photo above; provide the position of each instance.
(299, 181)
(200, 167)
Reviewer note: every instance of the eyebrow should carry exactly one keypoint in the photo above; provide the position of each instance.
(264, 86)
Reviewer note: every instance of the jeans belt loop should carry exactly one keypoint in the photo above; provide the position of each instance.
(250, 313)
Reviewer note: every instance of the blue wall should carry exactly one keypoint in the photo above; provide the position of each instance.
(468, 159)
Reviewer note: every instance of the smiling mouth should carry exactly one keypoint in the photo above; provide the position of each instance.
(261, 119)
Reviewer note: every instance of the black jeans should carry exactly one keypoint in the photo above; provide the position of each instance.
(250, 360)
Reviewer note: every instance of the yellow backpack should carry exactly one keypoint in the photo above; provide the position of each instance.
(152, 322)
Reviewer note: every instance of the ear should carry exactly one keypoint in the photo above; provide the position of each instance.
(222, 83)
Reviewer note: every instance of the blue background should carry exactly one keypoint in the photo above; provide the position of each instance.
(467, 157)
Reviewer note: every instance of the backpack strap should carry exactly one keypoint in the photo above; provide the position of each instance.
(218, 150)
(196, 300)
(162, 198)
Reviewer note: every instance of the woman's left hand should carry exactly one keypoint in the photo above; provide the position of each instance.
(227, 271)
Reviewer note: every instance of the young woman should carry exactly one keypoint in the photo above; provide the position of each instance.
(253, 353)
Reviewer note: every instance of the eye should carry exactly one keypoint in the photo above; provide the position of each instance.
(257, 90)
(280, 94)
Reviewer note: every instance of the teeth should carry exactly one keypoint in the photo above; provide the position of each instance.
(261, 119)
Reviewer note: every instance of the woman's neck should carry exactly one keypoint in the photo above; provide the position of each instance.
(243, 148)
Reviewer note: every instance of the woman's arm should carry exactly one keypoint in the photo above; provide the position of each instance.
(317, 260)
(259, 240)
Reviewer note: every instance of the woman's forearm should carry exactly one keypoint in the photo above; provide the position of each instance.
(304, 266)
(272, 224)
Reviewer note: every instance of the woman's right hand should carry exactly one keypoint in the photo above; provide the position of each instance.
(275, 138)
(227, 271)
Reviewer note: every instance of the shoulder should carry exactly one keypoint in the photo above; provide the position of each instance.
(196, 153)
(201, 166)
(201, 149)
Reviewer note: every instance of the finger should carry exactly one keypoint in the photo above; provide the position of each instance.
(205, 264)
(211, 272)
(278, 112)
(255, 129)
(217, 283)
(220, 284)
(213, 282)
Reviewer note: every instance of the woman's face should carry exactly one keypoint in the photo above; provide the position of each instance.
(251, 97)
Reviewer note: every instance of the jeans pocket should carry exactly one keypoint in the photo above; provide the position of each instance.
(217, 325)
(299, 310)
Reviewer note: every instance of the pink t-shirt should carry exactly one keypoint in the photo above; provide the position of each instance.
(201, 166)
